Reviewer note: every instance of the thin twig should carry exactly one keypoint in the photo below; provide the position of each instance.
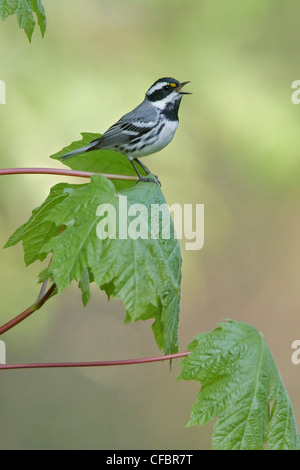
(33, 308)
(124, 362)
(56, 171)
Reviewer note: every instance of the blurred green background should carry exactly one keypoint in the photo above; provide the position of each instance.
(236, 151)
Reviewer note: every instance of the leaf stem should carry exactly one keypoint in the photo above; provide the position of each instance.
(33, 308)
(56, 171)
(43, 290)
(124, 362)
(44, 285)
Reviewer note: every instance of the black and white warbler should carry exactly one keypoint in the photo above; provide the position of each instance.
(147, 129)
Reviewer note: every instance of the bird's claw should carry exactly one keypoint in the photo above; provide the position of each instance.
(150, 180)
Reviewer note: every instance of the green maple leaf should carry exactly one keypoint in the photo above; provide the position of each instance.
(38, 230)
(241, 386)
(38, 9)
(8, 7)
(145, 273)
(24, 10)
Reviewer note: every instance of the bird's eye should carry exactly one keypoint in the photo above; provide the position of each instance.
(167, 87)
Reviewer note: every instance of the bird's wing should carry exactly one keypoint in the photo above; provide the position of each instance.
(113, 137)
(129, 127)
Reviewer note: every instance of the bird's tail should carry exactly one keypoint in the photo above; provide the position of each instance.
(84, 149)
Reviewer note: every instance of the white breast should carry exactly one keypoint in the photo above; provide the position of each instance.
(162, 140)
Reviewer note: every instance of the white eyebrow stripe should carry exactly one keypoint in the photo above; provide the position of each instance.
(158, 86)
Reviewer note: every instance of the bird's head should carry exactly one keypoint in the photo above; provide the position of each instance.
(166, 91)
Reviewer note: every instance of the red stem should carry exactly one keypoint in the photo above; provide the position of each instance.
(56, 171)
(41, 365)
(33, 308)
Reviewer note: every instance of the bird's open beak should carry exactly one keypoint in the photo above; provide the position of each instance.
(178, 89)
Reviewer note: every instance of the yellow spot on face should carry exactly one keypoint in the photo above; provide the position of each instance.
(173, 84)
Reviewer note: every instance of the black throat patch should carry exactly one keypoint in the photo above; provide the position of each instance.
(171, 111)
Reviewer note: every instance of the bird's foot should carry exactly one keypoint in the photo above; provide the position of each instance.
(147, 179)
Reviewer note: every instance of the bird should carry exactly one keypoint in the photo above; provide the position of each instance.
(146, 129)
